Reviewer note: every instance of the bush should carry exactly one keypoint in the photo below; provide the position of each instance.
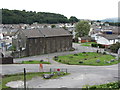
(12, 48)
(59, 60)
(96, 45)
(75, 54)
(80, 61)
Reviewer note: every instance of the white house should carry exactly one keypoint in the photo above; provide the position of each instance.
(106, 39)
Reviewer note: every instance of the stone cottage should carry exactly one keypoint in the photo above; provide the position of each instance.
(42, 41)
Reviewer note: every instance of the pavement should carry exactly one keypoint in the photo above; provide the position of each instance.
(80, 74)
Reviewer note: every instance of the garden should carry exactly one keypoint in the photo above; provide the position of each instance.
(87, 58)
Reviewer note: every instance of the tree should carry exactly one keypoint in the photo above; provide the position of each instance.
(73, 19)
(114, 48)
(82, 28)
(29, 17)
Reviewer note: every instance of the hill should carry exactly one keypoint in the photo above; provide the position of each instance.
(29, 17)
(110, 20)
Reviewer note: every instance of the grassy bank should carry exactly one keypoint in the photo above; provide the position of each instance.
(110, 86)
(35, 62)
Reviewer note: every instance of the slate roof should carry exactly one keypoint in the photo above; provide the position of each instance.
(86, 38)
(32, 33)
(46, 32)
(50, 32)
(110, 37)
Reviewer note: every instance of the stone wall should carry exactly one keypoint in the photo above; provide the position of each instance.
(6, 60)
(44, 45)
(17, 54)
(37, 46)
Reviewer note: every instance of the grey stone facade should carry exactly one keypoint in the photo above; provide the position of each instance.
(36, 42)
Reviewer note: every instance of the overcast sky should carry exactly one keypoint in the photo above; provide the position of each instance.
(82, 9)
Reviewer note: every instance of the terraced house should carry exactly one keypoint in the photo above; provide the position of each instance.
(41, 41)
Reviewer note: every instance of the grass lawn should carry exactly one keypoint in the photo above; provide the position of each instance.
(112, 86)
(29, 76)
(87, 58)
(35, 62)
(87, 43)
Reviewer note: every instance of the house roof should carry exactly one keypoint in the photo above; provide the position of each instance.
(46, 32)
(50, 32)
(32, 33)
(86, 38)
(110, 37)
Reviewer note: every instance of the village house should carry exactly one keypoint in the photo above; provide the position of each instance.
(105, 35)
(42, 41)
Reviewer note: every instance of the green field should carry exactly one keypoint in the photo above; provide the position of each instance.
(35, 62)
(29, 76)
(87, 58)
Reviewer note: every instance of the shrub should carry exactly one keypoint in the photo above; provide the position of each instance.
(80, 61)
(59, 60)
(75, 54)
(94, 45)
(104, 53)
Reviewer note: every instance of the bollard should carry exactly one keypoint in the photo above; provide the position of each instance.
(66, 70)
(50, 70)
(24, 79)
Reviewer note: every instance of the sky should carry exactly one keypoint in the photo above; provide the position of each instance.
(82, 9)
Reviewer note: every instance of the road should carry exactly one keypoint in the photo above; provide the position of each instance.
(80, 75)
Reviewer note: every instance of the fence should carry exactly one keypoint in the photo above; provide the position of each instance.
(58, 69)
